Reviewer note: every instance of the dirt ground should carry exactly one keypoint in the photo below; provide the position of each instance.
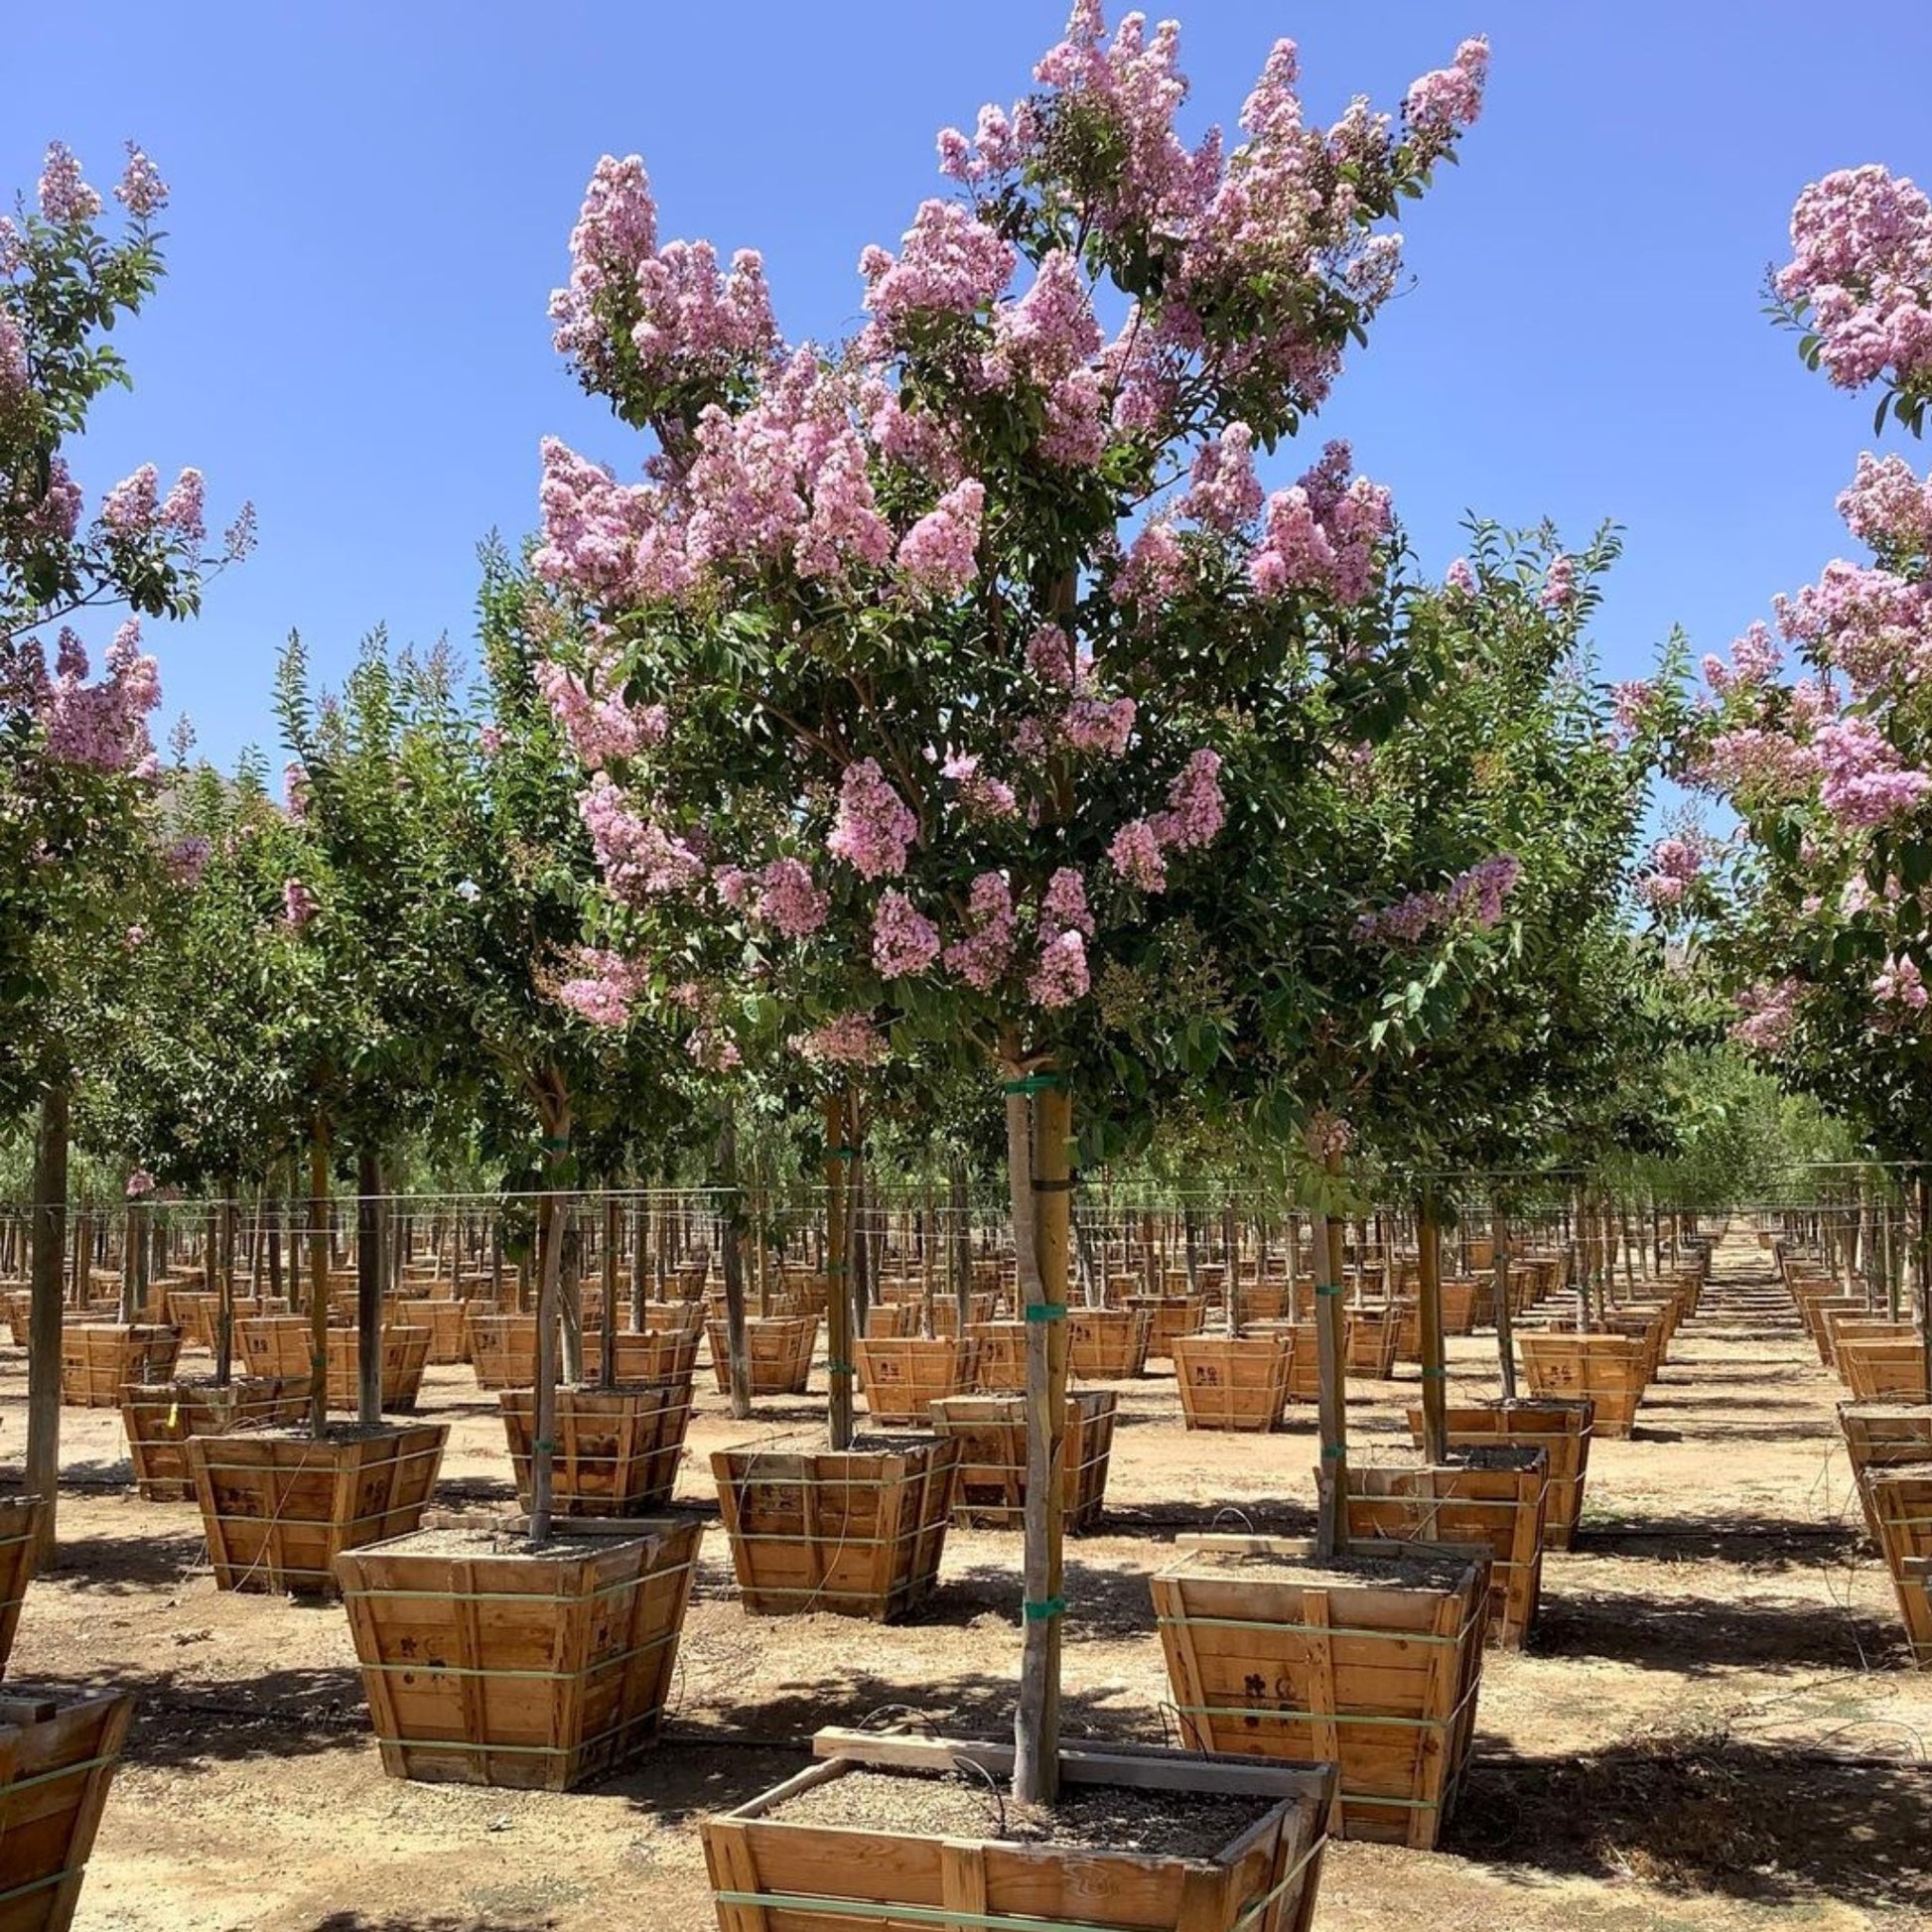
(1716, 1724)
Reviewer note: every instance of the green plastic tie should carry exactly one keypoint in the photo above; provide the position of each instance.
(554, 1145)
(843, 1153)
(1043, 1612)
(543, 1448)
(1036, 1083)
(838, 1368)
(1334, 1452)
(1045, 1311)
(1065, 1186)
(1335, 1289)
(1433, 1375)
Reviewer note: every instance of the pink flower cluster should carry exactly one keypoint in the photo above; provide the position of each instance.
(1223, 491)
(1441, 106)
(1476, 896)
(1872, 625)
(697, 326)
(1098, 727)
(299, 904)
(1559, 590)
(903, 940)
(604, 988)
(65, 197)
(983, 956)
(1861, 268)
(789, 899)
(938, 555)
(638, 858)
(1767, 1011)
(1675, 863)
(186, 859)
(602, 729)
(1889, 506)
(949, 263)
(1751, 763)
(102, 725)
(874, 828)
(140, 189)
(1196, 811)
(139, 1183)
(1061, 977)
(1861, 779)
(1323, 535)
(852, 1039)
(1135, 852)
(981, 795)
(1900, 983)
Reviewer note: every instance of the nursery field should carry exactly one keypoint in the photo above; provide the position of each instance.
(1715, 1723)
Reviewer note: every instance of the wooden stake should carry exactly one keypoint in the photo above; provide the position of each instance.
(1435, 1367)
(43, 1469)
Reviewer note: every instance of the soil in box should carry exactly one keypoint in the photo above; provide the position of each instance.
(857, 1534)
(20, 1521)
(279, 1507)
(487, 1660)
(618, 1450)
(1372, 1664)
(58, 1755)
(159, 1416)
(897, 1835)
(991, 1430)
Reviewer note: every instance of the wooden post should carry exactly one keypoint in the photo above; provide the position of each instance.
(369, 1277)
(42, 1475)
(1331, 1336)
(841, 1118)
(740, 1374)
(222, 1273)
(1435, 1366)
(1039, 1179)
(555, 1115)
(319, 1277)
(606, 1366)
(1505, 1320)
(959, 1208)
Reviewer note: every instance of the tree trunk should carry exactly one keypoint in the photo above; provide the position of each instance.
(740, 1374)
(1429, 1314)
(319, 1277)
(959, 1208)
(1038, 1178)
(42, 1476)
(370, 1279)
(555, 1114)
(1331, 1346)
(1505, 1322)
(841, 1118)
(221, 1261)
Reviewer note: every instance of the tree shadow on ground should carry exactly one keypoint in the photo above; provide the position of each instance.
(1102, 1599)
(127, 1566)
(1696, 1636)
(691, 1776)
(277, 1715)
(434, 1923)
(1692, 1816)
(1252, 1516)
(1761, 1542)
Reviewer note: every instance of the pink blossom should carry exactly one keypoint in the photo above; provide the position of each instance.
(135, 937)
(1559, 590)
(1630, 702)
(65, 197)
(789, 899)
(1196, 810)
(1135, 852)
(1871, 623)
(1754, 764)
(852, 1039)
(1767, 1014)
(182, 510)
(604, 540)
(1061, 977)
(1889, 506)
(1460, 578)
(604, 988)
(981, 795)
(1223, 491)
(602, 729)
(132, 506)
(55, 517)
(102, 725)
(1050, 657)
(1323, 535)
(982, 957)
(1863, 780)
(1862, 269)
(616, 232)
(903, 940)
(141, 190)
(639, 858)
(1329, 1137)
(489, 741)
(1158, 566)
(697, 326)
(1099, 727)
(874, 828)
(713, 1050)
(949, 262)
(1064, 902)
(1441, 106)
(1899, 983)
(937, 554)
(299, 904)
(186, 859)
(139, 1183)
(295, 793)
(1050, 331)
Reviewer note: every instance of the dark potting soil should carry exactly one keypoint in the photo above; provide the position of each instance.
(335, 1431)
(1504, 1457)
(1403, 1568)
(477, 1541)
(811, 1442)
(1109, 1818)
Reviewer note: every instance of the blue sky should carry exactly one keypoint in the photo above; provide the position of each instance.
(371, 205)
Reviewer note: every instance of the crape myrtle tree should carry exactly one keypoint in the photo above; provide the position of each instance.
(937, 660)
(1819, 907)
(75, 756)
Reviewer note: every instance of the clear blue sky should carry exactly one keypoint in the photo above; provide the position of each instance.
(371, 205)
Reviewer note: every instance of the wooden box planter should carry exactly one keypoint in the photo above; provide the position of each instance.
(660, 1317)
(58, 1757)
(618, 1450)
(991, 1430)
(405, 1355)
(1371, 1663)
(99, 1359)
(1607, 1371)
(1884, 1371)
(779, 1350)
(903, 1376)
(1264, 1302)
(274, 1345)
(1880, 1434)
(1003, 1356)
(1372, 1338)
(279, 1507)
(487, 1661)
(775, 1869)
(18, 1304)
(504, 1351)
(1562, 1430)
(449, 1339)
(888, 1320)
(1483, 1498)
(1466, 1304)
(1841, 1328)
(159, 1416)
(650, 1355)
(193, 1310)
(20, 1522)
(1229, 1383)
(858, 1533)
(1107, 1344)
(1900, 1498)
(1170, 1316)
